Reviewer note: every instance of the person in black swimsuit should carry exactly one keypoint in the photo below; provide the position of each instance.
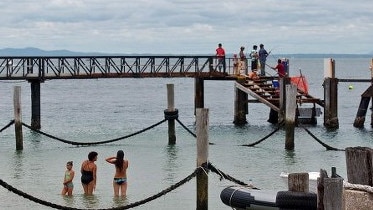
(88, 171)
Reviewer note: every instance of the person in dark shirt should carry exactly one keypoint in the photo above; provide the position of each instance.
(262, 59)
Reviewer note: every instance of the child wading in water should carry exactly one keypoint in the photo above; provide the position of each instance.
(120, 177)
(68, 185)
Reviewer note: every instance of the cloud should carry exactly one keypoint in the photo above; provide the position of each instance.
(188, 27)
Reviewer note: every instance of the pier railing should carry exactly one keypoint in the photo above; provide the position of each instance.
(85, 67)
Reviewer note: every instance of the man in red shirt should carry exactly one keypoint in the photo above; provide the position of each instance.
(280, 69)
(220, 54)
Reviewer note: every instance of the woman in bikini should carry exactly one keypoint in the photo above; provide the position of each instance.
(120, 177)
(88, 171)
(68, 185)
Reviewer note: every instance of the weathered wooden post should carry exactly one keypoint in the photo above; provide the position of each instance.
(298, 182)
(330, 95)
(171, 114)
(35, 104)
(18, 117)
(202, 124)
(291, 106)
(282, 83)
(359, 162)
(240, 105)
(363, 107)
(199, 97)
(333, 191)
(371, 76)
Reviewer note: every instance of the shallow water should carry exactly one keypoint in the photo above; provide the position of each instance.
(102, 109)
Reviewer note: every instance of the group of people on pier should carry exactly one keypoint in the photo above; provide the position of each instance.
(240, 61)
(89, 174)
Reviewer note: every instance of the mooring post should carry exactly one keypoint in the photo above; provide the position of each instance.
(202, 124)
(291, 106)
(171, 114)
(298, 182)
(35, 104)
(240, 106)
(198, 93)
(330, 95)
(333, 191)
(371, 76)
(18, 117)
(359, 165)
(282, 83)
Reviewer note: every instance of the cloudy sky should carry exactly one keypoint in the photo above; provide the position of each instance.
(188, 26)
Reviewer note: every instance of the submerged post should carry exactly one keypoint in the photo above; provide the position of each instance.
(202, 158)
(171, 114)
(330, 95)
(291, 105)
(240, 106)
(18, 117)
(35, 104)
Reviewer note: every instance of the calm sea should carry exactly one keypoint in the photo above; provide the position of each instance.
(103, 109)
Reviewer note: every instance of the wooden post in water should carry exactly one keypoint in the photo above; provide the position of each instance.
(202, 124)
(371, 76)
(18, 117)
(359, 162)
(171, 109)
(330, 95)
(363, 107)
(291, 106)
(35, 104)
(283, 82)
(240, 107)
(198, 93)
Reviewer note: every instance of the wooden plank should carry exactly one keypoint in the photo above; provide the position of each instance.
(253, 94)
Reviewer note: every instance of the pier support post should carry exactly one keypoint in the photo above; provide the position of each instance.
(198, 93)
(330, 95)
(35, 104)
(283, 82)
(18, 117)
(202, 124)
(371, 76)
(291, 106)
(359, 163)
(171, 109)
(240, 107)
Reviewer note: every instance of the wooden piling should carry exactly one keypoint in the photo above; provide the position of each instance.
(202, 124)
(330, 95)
(298, 182)
(171, 108)
(18, 117)
(333, 192)
(291, 105)
(282, 83)
(240, 107)
(359, 162)
(35, 104)
(198, 93)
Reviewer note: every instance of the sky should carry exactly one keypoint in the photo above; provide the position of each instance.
(188, 26)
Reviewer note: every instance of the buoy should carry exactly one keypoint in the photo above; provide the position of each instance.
(350, 87)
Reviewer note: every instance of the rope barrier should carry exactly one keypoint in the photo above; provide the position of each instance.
(94, 143)
(131, 205)
(7, 126)
(322, 143)
(264, 138)
(187, 129)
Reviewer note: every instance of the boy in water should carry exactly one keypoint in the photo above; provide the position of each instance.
(68, 185)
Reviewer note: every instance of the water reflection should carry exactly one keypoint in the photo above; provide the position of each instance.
(91, 201)
(171, 165)
(120, 201)
(290, 157)
(17, 164)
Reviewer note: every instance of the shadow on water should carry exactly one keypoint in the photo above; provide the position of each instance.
(290, 157)
(171, 162)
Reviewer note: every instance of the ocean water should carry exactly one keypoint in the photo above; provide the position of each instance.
(103, 109)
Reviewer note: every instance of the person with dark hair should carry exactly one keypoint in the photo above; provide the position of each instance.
(254, 58)
(262, 59)
(120, 177)
(68, 185)
(89, 171)
(280, 68)
(220, 55)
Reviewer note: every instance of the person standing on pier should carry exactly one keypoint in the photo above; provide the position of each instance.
(243, 63)
(120, 177)
(89, 171)
(220, 55)
(254, 58)
(262, 59)
(280, 68)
